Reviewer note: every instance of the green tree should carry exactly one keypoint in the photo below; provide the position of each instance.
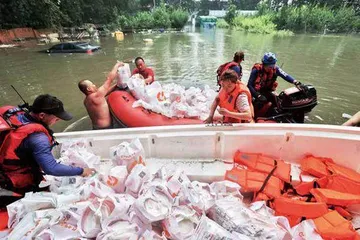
(231, 13)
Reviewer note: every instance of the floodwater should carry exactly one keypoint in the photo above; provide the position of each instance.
(331, 63)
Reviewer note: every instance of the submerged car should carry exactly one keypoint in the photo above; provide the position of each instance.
(73, 47)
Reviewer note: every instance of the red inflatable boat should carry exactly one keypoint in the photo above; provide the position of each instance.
(120, 103)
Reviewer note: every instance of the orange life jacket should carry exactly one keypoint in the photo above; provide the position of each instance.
(265, 80)
(305, 187)
(342, 184)
(21, 172)
(333, 226)
(255, 182)
(228, 101)
(332, 197)
(333, 182)
(315, 166)
(295, 209)
(263, 163)
(343, 171)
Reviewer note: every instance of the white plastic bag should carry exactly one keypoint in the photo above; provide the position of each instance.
(305, 230)
(119, 208)
(176, 182)
(154, 203)
(116, 178)
(136, 84)
(208, 229)
(197, 195)
(225, 188)
(30, 203)
(128, 154)
(79, 157)
(119, 230)
(232, 214)
(181, 223)
(124, 74)
(137, 177)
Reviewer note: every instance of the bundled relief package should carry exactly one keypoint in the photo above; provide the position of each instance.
(124, 75)
(128, 154)
(78, 153)
(154, 203)
(120, 230)
(34, 223)
(181, 223)
(225, 188)
(138, 176)
(30, 203)
(232, 214)
(198, 195)
(208, 229)
(116, 178)
(105, 215)
(136, 84)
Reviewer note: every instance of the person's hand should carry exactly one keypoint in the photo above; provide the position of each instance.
(300, 86)
(261, 98)
(88, 172)
(223, 111)
(209, 120)
(112, 75)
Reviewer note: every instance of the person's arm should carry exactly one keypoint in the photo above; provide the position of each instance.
(150, 77)
(242, 106)
(212, 110)
(353, 121)
(285, 76)
(251, 83)
(104, 89)
(41, 151)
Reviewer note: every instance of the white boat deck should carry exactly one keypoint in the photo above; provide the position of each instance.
(206, 152)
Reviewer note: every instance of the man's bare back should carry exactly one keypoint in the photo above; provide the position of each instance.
(98, 111)
(95, 101)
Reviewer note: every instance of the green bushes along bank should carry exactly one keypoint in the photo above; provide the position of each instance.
(305, 18)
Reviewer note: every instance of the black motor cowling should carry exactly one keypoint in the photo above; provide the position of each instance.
(294, 99)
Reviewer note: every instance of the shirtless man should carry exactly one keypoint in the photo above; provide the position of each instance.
(95, 102)
(353, 121)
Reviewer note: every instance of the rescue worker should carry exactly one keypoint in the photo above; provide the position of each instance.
(262, 81)
(25, 153)
(144, 71)
(234, 100)
(353, 121)
(235, 65)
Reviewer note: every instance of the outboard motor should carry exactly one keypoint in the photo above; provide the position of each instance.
(292, 104)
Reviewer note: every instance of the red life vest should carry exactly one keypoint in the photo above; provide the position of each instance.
(265, 80)
(228, 101)
(22, 173)
(222, 68)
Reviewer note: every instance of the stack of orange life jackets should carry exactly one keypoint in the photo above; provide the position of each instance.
(324, 199)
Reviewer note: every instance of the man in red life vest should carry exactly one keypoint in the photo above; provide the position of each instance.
(25, 153)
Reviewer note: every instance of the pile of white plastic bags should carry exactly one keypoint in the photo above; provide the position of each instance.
(172, 100)
(125, 201)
